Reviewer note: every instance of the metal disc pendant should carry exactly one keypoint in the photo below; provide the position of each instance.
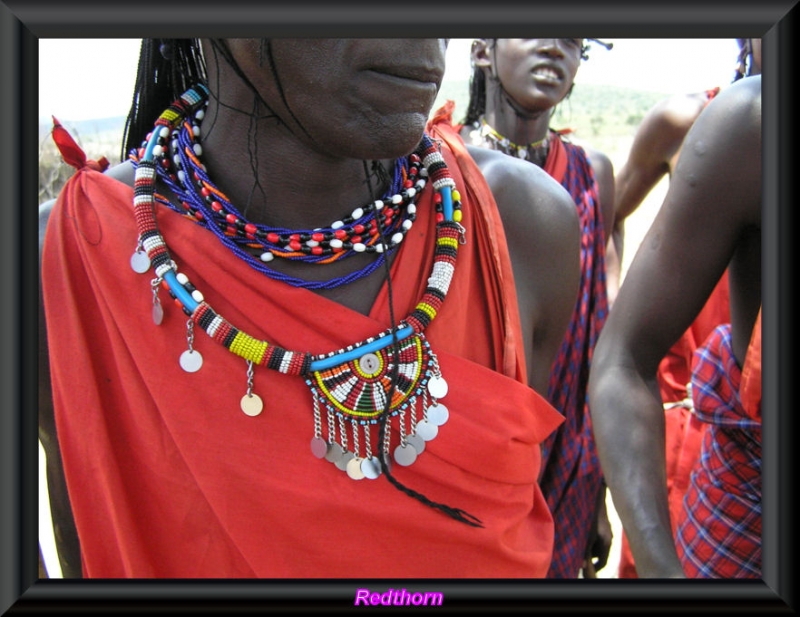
(437, 414)
(405, 455)
(417, 442)
(437, 387)
(319, 447)
(354, 468)
(344, 460)
(371, 467)
(158, 313)
(252, 405)
(335, 452)
(426, 430)
(140, 262)
(191, 361)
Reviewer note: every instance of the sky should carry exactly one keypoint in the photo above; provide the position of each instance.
(73, 89)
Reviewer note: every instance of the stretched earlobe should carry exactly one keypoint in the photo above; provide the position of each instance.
(479, 54)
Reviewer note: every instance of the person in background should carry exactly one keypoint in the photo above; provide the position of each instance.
(710, 221)
(515, 88)
(285, 337)
(653, 155)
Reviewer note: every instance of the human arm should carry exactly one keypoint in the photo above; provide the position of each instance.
(543, 234)
(655, 146)
(712, 209)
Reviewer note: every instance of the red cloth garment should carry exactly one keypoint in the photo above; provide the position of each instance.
(168, 478)
(719, 533)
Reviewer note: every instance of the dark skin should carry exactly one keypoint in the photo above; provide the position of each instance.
(525, 80)
(714, 198)
(653, 155)
(381, 92)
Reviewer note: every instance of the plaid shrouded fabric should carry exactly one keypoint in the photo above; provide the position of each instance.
(719, 534)
(571, 472)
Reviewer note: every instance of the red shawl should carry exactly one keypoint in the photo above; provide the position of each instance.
(168, 478)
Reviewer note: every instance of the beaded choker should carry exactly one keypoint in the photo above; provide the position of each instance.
(178, 154)
(391, 377)
(484, 135)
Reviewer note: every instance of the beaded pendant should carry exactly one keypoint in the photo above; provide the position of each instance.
(391, 380)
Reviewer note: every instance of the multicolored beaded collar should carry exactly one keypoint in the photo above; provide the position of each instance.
(179, 166)
(484, 135)
(391, 377)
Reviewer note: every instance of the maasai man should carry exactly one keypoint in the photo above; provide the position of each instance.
(710, 220)
(515, 88)
(284, 338)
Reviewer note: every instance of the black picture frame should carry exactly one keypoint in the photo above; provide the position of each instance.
(23, 22)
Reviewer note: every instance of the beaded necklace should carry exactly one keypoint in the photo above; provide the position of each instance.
(484, 135)
(391, 377)
(179, 166)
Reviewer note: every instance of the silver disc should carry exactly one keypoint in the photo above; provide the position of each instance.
(319, 447)
(252, 405)
(158, 313)
(417, 442)
(426, 430)
(405, 455)
(371, 467)
(369, 363)
(334, 453)
(437, 414)
(344, 460)
(354, 468)
(437, 387)
(140, 262)
(191, 361)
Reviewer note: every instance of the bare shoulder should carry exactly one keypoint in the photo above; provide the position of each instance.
(678, 110)
(525, 194)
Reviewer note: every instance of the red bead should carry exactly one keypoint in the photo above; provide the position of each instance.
(355, 239)
(317, 237)
(205, 192)
(198, 215)
(165, 163)
(216, 206)
(295, 245)
(439, 217)
(359, 229)
(316, 250)
(186, 205)
(294, 237)
(250, 228)
(341, 234)
(437, 198)
(408, 184)
(178, 303)
(273, 238)
(231, 218)
(414, 158)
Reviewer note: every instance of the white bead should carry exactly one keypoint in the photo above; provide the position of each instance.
(312, 243)
(359, 247)
(397, 238)
(197, 296)
(164, 131)
(411, 192)
(337, 224)
(379, 248)
(158, 151)
(379, 204)
(412, 209)
(336, 243)
(397, 199)
(200, 114)
(182, 176)
(266, 256)
(407, 224)
(196, 131)
(176, 159)
(420, 184)
(357, 213)
(198, 149)
(182, 278)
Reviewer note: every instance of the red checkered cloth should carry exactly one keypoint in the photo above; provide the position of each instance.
(571, 476)
(719, 533)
